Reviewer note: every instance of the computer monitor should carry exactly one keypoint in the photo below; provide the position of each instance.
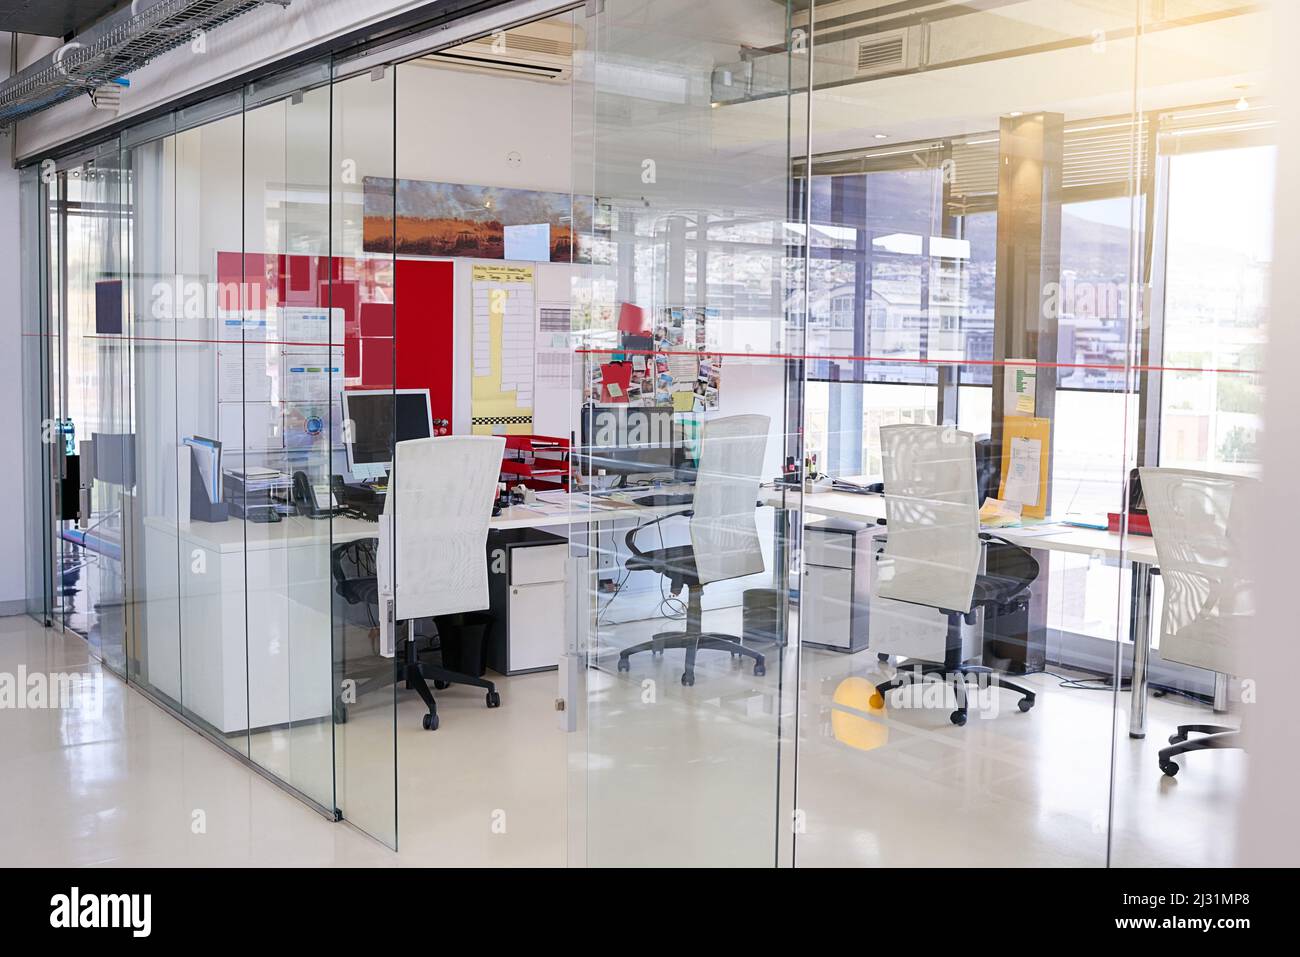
(629, 440)
(375, 421)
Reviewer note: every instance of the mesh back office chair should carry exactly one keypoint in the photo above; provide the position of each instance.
(1207, 600)
(932, 550)
(438, 506)
(724, 537)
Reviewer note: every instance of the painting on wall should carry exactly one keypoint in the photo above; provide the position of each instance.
(479, 222)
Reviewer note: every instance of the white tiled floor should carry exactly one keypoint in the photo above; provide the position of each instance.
(665, 774)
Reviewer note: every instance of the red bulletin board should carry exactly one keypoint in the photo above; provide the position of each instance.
(414, 346)
(426, 331)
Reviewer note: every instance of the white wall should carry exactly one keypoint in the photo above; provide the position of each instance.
(1269, 826)
(13, 556)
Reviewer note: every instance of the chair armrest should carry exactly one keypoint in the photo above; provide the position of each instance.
(630, 538)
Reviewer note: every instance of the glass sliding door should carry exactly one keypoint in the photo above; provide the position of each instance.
(362, 287)
(1180, 767)
(154, 556)
(41, 437)
(238, 307)
(211, 676)
(951, 175)
(88, 223)
(283, 419)
(100, 228)
(690, 259)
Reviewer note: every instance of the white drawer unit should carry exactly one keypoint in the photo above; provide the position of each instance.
(526, 584)
(834, 596)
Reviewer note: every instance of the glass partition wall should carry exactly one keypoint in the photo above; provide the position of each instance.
(40, 438)
(684, 335)
(1042, 233)
(863, 323)
(195, 340)
(85, 236)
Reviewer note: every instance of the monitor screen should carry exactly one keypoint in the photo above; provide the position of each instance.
(378, 421)
(628, 440)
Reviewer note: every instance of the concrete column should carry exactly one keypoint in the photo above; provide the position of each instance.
(1030, 155)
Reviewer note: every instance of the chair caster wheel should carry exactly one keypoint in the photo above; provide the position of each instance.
(624, 665)
(760, 669)
(1025, 704)
(430, 722)
(1177, 738)
(440, 684)
(958, 718)
(688, 679)
(1170, 768)
(493, 699)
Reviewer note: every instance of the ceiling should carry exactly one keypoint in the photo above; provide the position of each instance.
(52, 18)
(1208, 62)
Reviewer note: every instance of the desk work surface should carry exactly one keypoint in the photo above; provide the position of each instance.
(295, 531)
(1047, 535)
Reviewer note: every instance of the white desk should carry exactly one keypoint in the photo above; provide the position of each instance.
(254, 606)
(1138, 550)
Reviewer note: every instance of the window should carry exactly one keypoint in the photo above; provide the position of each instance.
(1218, 268)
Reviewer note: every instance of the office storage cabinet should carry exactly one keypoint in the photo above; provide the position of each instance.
(526, 585)
(254, 616)
(834, 597)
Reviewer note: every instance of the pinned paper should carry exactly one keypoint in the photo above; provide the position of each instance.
(1021, 388)
(616, 377)
(1022, 484)
(1021, 436)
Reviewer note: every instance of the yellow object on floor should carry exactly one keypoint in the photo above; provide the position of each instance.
(855, 710)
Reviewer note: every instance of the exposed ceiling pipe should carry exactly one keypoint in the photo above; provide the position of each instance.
(104, 54)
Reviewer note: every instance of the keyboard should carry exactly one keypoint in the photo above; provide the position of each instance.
(665, 501)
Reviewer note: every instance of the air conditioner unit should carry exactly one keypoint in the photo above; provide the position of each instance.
(837, 59)
(536, 51)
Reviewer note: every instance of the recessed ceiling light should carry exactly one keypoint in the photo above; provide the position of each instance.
(882, 136)
(1243, 104)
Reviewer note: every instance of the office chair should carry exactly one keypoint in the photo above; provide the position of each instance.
(933, 545)
(1207, 601)
(724, 538)
(438, 506)
(352, 568)
(988, 468)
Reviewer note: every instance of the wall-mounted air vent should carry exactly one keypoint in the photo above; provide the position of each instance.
(881, 53)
